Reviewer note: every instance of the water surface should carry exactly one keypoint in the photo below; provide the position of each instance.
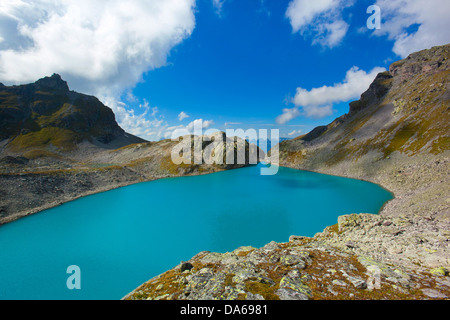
(124, 237)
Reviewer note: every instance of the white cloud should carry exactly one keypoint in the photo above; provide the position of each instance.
(182, 115)
(331, 33)
(317, 102)
(199, 123)
(100, 47)
(294, 133)
(356, 82)
(180, 130)
(97, 45)
(431, 16)
(145, 125)
(321, 19)
(287, 115)
(318, 112)
(218, 4)
(227, 124)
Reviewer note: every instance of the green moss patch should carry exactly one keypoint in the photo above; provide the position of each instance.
(62, 139)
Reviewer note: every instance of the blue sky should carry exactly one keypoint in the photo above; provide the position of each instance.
(262, 64)
(244, 65)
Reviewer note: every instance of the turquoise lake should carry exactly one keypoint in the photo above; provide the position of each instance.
(124, 237)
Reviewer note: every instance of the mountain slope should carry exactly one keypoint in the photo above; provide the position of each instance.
(397, 134)
(46, 115)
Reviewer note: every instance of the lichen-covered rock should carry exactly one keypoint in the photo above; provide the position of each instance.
(295, 284)
(311, 268)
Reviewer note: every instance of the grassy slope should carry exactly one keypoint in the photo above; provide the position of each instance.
(411, 118)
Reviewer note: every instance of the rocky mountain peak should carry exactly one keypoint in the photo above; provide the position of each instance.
(46, 114)
(55, 82)
(423, 62)
(378, 88)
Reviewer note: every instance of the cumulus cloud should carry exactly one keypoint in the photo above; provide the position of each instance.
(294, 133)
(287, 115)
(432, 19)
(148, 124)
(356, 82)
(97, 45)
(319, 19)
(183, 115)
(218, 4)
(100, 47)
(318, 102)
(198, 124)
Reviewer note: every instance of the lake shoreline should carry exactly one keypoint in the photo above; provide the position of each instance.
(100, 188)
(406, 242)
(394, 244)
(75, 196)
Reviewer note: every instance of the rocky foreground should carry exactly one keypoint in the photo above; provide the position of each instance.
(335, 264)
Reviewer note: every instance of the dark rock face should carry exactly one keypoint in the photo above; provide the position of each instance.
(186, 266)
(52, 83)
(377, 90)
(316, 132)
(48, 103)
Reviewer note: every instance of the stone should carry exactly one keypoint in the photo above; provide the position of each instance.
(244, 275)
(441, 271)
(348, 221)
(431, 293)
(357, 282)
(289, 294)
(243, 250)
(330, 289)
(296, 238)
(395, 250)
(229, 258)
(333, 271)
(350, 245)
(186, 266)
(294, 274)
(296, 285)
(339, 283)
(271, 246)
(290, 260)
(211, 257)
(252, 296)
